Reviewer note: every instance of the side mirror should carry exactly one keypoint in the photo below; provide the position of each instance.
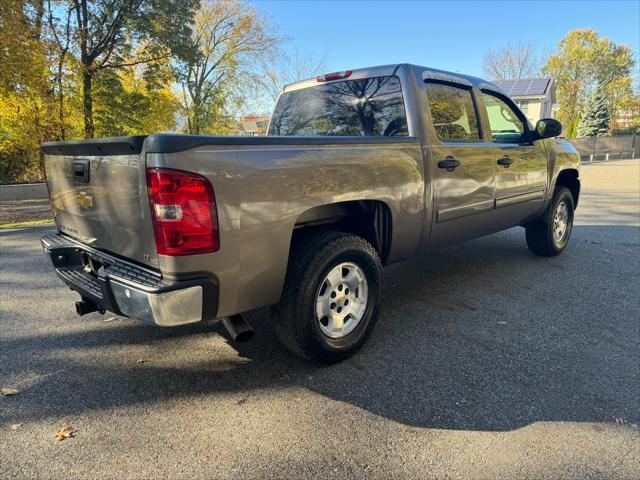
(547, 128)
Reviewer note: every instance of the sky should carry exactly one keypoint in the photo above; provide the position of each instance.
(450, 35)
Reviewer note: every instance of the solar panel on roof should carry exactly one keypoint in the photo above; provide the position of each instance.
(505, 84)
(520, 88)
(538, 86)
(524, 87)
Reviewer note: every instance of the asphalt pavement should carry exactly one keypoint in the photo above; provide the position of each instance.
(487, 362)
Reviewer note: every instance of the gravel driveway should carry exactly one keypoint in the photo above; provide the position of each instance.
(488, 362)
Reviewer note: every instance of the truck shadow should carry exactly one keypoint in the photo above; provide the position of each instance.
(481, 336)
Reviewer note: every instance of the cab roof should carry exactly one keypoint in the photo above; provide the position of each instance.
(384, 70)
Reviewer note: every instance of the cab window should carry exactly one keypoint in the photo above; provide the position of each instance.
(453, 112)
(506, 125)
(368, 107)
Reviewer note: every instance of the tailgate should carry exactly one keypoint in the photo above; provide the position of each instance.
(99, 195)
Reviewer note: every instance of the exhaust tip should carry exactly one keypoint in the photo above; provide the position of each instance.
(244, 336)
(238, 328)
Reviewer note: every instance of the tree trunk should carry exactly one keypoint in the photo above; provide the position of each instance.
(61, 112)
(39, 7)
(61, 101)
(87, 101)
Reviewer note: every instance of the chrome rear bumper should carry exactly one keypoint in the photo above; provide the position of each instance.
(124, 288)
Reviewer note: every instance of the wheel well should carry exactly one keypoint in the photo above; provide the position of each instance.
(369, 219)
(569, 179)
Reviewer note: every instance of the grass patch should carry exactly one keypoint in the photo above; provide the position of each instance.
(30, 223)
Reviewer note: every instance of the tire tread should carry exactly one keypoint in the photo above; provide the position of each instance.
(306, 257)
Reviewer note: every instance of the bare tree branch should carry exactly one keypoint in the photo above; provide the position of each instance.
(512, 62)
(229, 37)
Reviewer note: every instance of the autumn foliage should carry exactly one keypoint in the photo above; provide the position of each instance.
(73, 69)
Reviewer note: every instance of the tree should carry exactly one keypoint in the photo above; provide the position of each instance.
(229, 37)
(512, 62)
(584, 60)
(134, 101)
(21, 52)
(284, 68)
(26, 106)
(60, 31)
(595, 119)
(107, 31)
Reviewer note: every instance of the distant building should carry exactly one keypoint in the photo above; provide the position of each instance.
(536, 97)
(253, 125)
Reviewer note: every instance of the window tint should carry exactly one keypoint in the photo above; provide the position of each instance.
(453, 113)
(367, 107)
(506, 126)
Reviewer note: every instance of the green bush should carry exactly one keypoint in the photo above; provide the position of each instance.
(20, 166)
(621, 132)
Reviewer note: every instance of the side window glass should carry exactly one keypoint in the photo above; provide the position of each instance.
(505, 124)
(453, 112)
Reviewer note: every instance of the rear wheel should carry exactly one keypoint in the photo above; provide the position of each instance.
(331, 297)
(549, 235)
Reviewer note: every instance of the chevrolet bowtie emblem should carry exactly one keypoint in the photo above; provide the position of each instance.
(84, 200)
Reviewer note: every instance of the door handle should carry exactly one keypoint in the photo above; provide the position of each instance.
(449, 163)
(505, 162)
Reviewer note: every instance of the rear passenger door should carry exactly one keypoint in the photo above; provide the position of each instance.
(461, 165)
(521, 175)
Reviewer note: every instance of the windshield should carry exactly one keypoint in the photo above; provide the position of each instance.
(368, 107)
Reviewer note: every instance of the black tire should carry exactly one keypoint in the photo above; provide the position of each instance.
(540, 234)
(312, 258)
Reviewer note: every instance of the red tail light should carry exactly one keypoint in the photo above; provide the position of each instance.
(333, 76)
(183, 210)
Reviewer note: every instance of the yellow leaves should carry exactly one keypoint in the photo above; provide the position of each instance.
(9, 391)
(65, 432)
(583, 60)
(15, 426)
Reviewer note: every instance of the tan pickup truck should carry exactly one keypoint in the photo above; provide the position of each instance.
(360, 169)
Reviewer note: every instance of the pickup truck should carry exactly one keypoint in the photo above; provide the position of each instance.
(359, 169)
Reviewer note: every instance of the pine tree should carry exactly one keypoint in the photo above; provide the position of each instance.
(595, 120)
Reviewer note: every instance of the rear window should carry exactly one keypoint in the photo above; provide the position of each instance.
(369, 107)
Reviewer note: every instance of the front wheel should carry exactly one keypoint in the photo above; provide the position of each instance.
(331, 297)
(549, 235)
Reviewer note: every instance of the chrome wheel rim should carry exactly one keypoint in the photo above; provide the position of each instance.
(341, 300)
(560, 222)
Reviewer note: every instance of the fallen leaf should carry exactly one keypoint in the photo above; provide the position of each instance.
(15, 426)
(111, 319)
(502, 323)
(65, 432)
(141, 360)
(7, 391)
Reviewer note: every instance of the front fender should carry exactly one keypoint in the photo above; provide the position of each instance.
(561, 156)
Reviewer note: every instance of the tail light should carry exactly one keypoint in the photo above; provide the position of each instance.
(183, 210)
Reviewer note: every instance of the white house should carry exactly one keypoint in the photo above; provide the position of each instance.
(536, 97)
